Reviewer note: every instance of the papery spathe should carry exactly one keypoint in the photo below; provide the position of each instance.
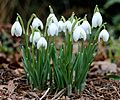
(52, 29)
(42, 43)
(104, 35)
(16, 29)
(97, 19)
(36, 23)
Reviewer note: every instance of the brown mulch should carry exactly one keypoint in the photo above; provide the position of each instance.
(102, 89)
(13, 86)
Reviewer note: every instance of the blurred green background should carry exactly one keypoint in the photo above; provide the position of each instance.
(110, 10)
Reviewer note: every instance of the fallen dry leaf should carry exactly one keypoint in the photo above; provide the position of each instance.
(19, 72)
(2, 87)
(33, 94)
(11, 87)
(103, 67)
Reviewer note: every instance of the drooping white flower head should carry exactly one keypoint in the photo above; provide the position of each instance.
(97, 19)
(61, 26)
(36, 37)
(76, 34)
(79, 33)
(42, 43)
(52, 30)
(16, 29)
(36, 23)
(68, 26)
(104, 35)
(86, 26)
(52, 19)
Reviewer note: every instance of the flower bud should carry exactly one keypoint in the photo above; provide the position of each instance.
(79, 33)
(52, 30)
(86, 26)
(42, 43)
(36, 37)
(36, 23)
(104, 35)
(97, 19)
(16, 29)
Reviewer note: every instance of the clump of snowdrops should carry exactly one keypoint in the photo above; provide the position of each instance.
(48, 67)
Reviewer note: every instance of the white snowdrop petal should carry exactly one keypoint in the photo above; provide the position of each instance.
(104, 35)
(86, 26)
(36, 37)
(52, 30)
(52, 19)
(79, 33)
(36, 23)
(41, 25)
(82, 33)
(76, 34)
(60, 26)
(16, 29)
(97, 19)
(30, 39)
(99, 22)
(13, 29)
(42, 43)
(68, 26)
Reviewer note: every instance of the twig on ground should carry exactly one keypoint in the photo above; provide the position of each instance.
(45, 94)
(116, 91)
(18, 78)
(59, 94)
(92, 95)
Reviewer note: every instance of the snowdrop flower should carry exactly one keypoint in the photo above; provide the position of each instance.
(76, 35)
(42, 43)
(68, 26)
(60, 26)
(52, 30)
(36, 23)
(79, 33)
(16, 29)
(97, 19)
(86, 26)
(104, 35)
(52, 19)
(36, 37)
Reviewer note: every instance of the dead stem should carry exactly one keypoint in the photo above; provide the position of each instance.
(45, 94)
(59, 94)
